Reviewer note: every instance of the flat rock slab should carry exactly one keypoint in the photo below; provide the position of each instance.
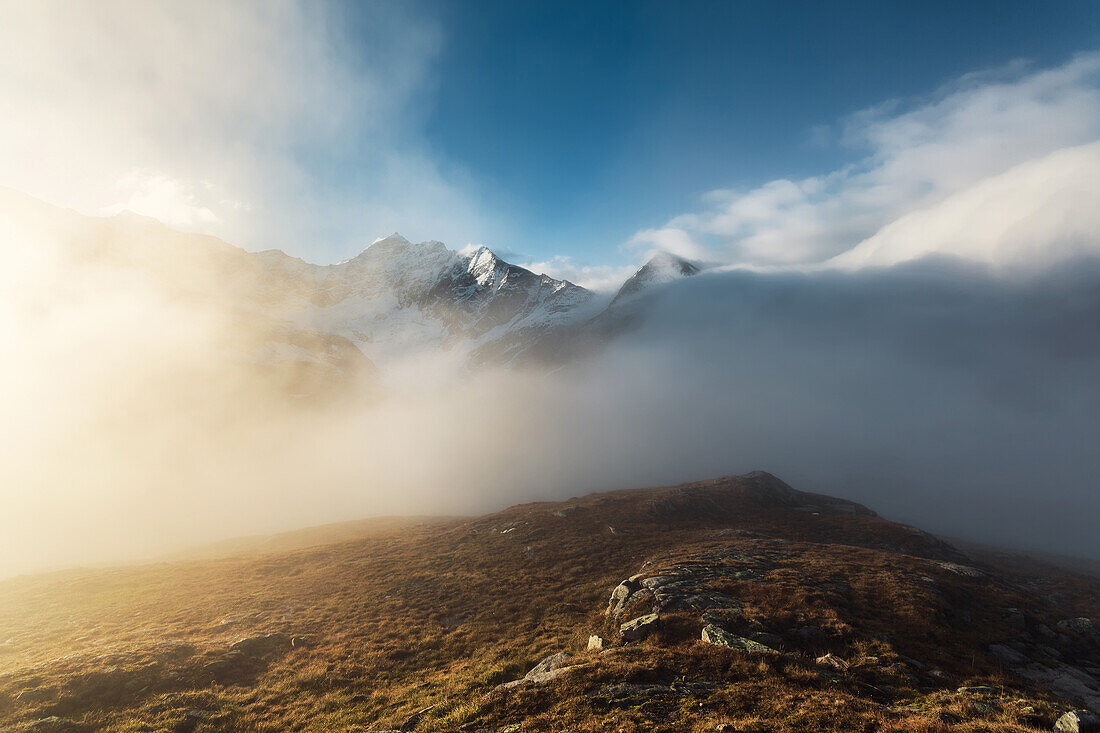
(641, 627)
(720, 637)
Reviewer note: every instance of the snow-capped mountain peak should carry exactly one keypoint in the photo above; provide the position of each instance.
(395, 238)
(393, 299)
(663, 267)
(484, 265)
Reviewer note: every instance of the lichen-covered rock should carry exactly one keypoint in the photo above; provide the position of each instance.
(552, 662)
(723, 617)
(626, 690)
(641, 627)
(697, 601)
(1078, 721)
(548, 669)
(720, 637)
(620, 595)
(977, 690)
(1077, 625)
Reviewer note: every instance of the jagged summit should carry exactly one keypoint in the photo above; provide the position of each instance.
(395, 237)
(392, 299)
(663, 267)
(668, 261)
(397, 253)
(484, 263)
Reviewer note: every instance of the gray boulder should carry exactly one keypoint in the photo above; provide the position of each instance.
(720, 637)
(1079, 625)
(641, 627)
(722, 616)
(552, 662)
(548, 669)
(1006, 654)
(1078, 721)
(626, 690)
(620, 595)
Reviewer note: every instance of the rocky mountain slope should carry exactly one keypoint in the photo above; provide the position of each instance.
(393, 300)
(662, 268)
(738, 604)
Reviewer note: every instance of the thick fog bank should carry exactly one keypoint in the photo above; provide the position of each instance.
(140, 422)
(936, 392)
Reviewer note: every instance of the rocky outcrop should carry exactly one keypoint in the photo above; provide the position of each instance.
(1078, 721)
(641, 627)
(720, 637)
(548, 669)
(1081, 625)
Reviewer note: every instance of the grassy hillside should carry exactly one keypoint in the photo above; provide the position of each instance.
(833, 619)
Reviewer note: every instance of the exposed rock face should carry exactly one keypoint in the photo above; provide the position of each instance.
(1065, 680)
(720, 637)
(620, 595)
(548, 669)
(1077, 625)
(626, 690)
(1078, 721)
(641, 627)
(686, 585)
(977, 690)
(552, 662)
(1007, 654)
(661, 268)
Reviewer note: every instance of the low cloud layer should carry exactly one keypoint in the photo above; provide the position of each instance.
(1014, 143)
(938, 392)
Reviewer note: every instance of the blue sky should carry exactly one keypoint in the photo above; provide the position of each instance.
(572, 136)
(587, 121)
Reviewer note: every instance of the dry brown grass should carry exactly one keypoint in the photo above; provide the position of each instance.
(437, 614)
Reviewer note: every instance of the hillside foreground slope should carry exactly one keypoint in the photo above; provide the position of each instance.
(738, 604)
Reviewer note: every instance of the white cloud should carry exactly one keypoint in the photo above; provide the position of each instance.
(672, 238)
(599, 278)
(1041, 210)
(173, 202)
(913, 159)
(309, 136)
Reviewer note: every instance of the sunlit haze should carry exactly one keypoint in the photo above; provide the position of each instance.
(890, 221)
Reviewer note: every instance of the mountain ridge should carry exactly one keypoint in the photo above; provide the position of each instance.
(393, 299)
